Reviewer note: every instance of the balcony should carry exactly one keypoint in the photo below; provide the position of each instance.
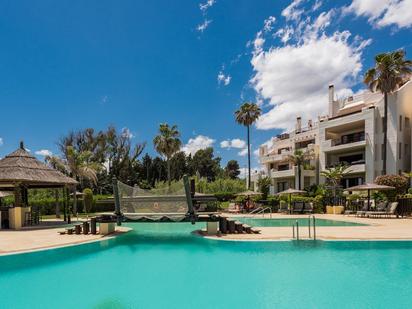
(353, 168)
(337, 145)
(275, 158)
(283, 174)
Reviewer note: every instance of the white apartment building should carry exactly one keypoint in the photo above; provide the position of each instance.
(351, 133)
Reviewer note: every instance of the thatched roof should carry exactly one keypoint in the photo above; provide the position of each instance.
(21, 166)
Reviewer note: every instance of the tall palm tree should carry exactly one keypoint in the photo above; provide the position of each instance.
(247, 115)
(167, 143)
(390, 72)
(299, 158)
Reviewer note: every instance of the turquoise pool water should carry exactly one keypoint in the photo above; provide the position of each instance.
(291, 221)
(164, 266)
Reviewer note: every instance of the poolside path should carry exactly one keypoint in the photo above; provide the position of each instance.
(45, 237)
(376, 229)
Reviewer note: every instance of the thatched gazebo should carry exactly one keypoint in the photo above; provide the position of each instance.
(20, 171)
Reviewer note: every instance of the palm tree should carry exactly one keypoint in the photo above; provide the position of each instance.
(299, 158)
(167, 143)
(390, 72)
(334, 175)
(76, 164)
(246, 115)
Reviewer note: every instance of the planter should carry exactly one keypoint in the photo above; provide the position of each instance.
(334, 210)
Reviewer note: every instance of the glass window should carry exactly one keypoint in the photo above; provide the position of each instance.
(407, 123)
(400, 151)
(400, 123)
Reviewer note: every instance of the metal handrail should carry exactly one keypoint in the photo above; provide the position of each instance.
(297, 230)
(261, 210)
(255, 210)
(313, 225)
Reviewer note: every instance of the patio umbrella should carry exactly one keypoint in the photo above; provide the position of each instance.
(291, 192)
(369, 187)
(248, 193)
(6, 193)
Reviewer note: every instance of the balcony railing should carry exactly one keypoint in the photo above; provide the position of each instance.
(348, 139)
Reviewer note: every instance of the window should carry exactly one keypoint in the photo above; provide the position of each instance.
(400, 123)
(382, 151)
(407, 123)
(406, 149)
(400, 151)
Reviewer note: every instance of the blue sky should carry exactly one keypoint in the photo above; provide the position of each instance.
(67, 65)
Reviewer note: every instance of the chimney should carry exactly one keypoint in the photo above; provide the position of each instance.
(310, 123)
(22, 145)
(331, 99)
(298, 124)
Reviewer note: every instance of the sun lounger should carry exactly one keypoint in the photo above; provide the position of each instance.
(233, 208)
(298, 207)
(390, 211)
(283, 207)
(363, 211)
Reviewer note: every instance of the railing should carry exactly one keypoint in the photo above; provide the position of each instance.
(345, 141)
(261, 210)
(311, 225)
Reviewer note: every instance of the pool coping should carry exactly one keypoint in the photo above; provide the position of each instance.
(72, 244)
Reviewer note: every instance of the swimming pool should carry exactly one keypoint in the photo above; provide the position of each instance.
(290, 221)
(165, 266)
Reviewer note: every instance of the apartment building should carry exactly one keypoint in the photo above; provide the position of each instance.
(351, 132)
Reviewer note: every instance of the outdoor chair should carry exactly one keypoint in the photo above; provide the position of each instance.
(363, 211)
(233, 208)
(298, 207)
(283, 207)
(308, 207)
(390, 211)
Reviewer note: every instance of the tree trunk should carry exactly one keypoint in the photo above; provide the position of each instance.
(248, 156)
(168, 171)
(299, 176)
(385, 133)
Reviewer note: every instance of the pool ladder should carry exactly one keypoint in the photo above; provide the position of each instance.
(311, 224)
(261, 210)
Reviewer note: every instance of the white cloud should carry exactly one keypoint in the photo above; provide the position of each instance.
(197, 143)
(268, 24)
(1, 141)
(243, 152)
(104, 99)
(234, 143)
(203, 26)
(381, 13)
(294, 78)
(223, 79)
(291, 12)
(244, 171)
(127, 133)
(43, 152)
(205, 6)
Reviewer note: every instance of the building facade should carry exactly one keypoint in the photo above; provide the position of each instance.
(350, 133)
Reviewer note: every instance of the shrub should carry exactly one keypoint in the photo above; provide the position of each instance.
(87, 200)
(400, 183)
(264, 186)
(224, 196)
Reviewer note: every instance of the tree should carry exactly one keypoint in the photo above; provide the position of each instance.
(87, 200)
(299, 158)
(167, 143)
(205, 164)
(264, 186)
(76, 164)
(178, 165)
(390, 72)
(232, 169)
(399, 182)
(247, 114)
(334, 175)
